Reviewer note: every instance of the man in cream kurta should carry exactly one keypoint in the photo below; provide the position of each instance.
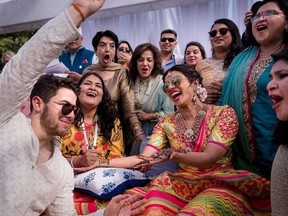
(27, 186)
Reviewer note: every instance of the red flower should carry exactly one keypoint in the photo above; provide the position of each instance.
(85, 61)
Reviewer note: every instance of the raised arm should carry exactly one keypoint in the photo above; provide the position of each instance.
(23, 70)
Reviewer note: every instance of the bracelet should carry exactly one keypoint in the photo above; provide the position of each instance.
(103, 162)
(141, 132)
(136, 122)
(78, 9)
(155, 116)
(71, 161)
(135, 129)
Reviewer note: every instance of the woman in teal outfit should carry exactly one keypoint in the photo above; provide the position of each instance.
(245, 88)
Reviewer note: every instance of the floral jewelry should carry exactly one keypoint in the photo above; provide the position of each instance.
(201, 92)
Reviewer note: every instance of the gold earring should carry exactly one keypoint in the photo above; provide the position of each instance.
(194, 99)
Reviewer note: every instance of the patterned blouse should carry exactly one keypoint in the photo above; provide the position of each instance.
(219, 127)
(74, 143)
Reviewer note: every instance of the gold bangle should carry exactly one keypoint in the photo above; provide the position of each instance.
(136, 122)
(156, 115)
(136, 128)
(103, 162)
(140, 132)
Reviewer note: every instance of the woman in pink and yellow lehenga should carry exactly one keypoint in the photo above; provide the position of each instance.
(199, 138)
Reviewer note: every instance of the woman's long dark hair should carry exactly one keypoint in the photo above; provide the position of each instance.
(236, 46)
(187, 71)
(106, 109)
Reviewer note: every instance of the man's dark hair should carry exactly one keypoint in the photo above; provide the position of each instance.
(169, 31)
(47, 86)
(108, 33)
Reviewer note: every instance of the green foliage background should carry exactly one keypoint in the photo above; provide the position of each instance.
(14, 41)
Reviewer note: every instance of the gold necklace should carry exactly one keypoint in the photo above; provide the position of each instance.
(186, 134)
(266, 55)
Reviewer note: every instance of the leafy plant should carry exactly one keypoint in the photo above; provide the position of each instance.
(13, 41)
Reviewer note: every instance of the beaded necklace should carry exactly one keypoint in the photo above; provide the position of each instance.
(186, 134)
(267, 55)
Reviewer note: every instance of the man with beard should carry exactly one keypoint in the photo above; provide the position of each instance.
(35, 179)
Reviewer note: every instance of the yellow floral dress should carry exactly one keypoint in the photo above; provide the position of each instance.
(74, 144)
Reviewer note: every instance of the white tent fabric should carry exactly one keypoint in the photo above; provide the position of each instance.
(137, 21)
(190, 19)
(19, 15)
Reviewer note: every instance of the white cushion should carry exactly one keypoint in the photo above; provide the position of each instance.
(105, 183)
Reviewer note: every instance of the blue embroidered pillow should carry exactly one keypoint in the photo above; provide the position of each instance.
(105, 183)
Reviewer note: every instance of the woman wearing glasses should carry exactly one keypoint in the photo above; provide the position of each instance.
(245, 88)
(124, 53)
(199, 138)
(226, 43)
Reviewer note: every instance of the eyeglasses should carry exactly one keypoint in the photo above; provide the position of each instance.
(67, 108)
(265, 15)
(170, 40)
(123, 49)
(176, 81)
(222, 31)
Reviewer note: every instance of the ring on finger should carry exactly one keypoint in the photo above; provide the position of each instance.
(126, 203)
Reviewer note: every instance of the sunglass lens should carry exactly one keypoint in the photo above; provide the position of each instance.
(213, 33)
(176, 81)
(170, 40)
(123, 49)
(223, 31)
(165, 87)
(68, 108)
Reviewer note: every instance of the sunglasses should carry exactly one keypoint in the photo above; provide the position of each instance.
(67, 108)
(170, 40)
(176, 81)
(123, 49)
(222, 31)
